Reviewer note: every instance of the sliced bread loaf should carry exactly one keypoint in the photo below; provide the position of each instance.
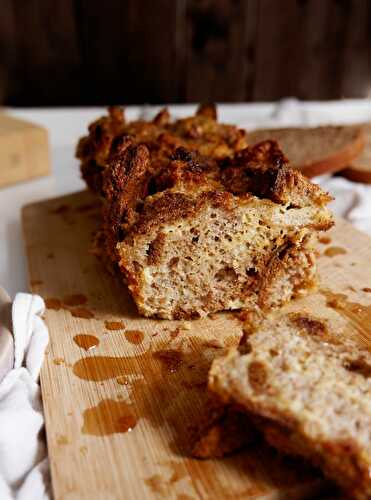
(359, 170)
(315, 151)
(307, 393)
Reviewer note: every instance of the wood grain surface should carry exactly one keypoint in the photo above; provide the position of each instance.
(121, 392)
(182, 51)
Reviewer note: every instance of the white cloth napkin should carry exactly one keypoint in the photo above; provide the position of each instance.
(24, 468)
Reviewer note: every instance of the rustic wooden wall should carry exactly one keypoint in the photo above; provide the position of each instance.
(69, 52)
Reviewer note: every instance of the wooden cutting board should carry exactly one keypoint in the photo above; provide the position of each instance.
(118, 414)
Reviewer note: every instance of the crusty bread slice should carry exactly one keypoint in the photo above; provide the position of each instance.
(307, 393)
(316, 151)
(359, 170)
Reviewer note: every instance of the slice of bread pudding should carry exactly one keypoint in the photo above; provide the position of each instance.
(307, 392)
(206, 224)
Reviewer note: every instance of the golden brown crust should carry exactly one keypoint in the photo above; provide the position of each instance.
(162, 137)
(124, 186)
(263, 170)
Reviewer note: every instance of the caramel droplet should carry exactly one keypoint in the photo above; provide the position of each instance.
(82, 312)
(333, 251)
(77, 299)
(86, 342)
(170, 359)
(114, 325)
(358, 314)
(99, 368)
(109, 417)
(134, 336)
(122, 381)
(58, 361)
(325, 240)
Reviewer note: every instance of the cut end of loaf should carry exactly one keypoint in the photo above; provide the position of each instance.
(226, 254)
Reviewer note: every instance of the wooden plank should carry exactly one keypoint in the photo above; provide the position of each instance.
(154, 376)
(279, 57)
(141, 51)
(216, 51)
(129, 51)
(356, 66)
(250, 43)
(47, 62)
(7, 51)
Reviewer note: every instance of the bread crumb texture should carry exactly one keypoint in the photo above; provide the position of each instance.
(309, 394)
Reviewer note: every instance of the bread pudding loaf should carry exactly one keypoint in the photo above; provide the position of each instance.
(207, 224)
(161, 136)
(309, 394)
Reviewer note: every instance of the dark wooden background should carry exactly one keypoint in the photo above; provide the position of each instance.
(85, 52)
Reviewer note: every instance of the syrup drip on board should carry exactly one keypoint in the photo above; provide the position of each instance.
(170, 359)
(77, 299)
(109, 417)
(164, 379)
(325, 240)
(86, 342)
(134, 336)
(114, 325)
(82, 312)
(69, 303)
(100, 368)
(358, 314)
(333, 251)
(122, 380)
